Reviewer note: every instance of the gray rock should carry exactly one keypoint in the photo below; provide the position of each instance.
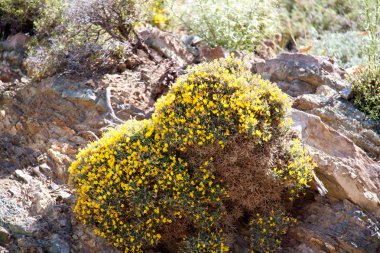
(332, 226)
(308, 102)
(57, 245)
(300, 68)
(22, 176)
(326, 91)
(344, 168)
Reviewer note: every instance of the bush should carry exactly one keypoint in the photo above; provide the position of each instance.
(321, 15)
(233, 24)
(18, 15)
(366, 88)
(371, 23)
(84, 35)
(217, 147)
(346, 48)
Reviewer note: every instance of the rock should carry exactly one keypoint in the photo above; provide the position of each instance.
(23, 176)
(167, 45)
(83, 94)
(345, 118)
(16, 42)
(344, 168)
(301, 69)
(333, 226)
(7, 74)
(44, 168)
(207, 53)
(326, 91)
(347, 93)
(5, 236)
(308, 102)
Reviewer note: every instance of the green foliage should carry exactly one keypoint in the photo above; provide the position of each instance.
(366, 87)
(19, 9)
(233, 24)
(50, 19)
(204, 159)
(346, 48)
(321, 15)
(18, 14)
(266, 231)
(372, 22)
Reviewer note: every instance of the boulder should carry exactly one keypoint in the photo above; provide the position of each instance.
(309, 102)
(306, 72)
(167, 45)
(345, 169)
(345, 118)
(333, 226)
(16, 42)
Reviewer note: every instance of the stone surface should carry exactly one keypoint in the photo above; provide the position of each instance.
(300, 73)
(345, 118)
(167, 45)
(15, 42)
(343, 227)
(345, 169)
(309, 102)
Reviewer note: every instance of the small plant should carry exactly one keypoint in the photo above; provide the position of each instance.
(266, 231)
(233, 24)
(366, 88)
(185, 177)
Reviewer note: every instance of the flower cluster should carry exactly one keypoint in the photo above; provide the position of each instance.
(130, 186)
(159, 15)
(146, 182)
(266, 231)
(297, 172)
(217, 101)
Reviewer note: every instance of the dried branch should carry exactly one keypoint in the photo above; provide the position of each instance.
(111, 112)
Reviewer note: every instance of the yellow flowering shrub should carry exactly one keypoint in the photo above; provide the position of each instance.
(213, 150)
(266, 231)
(159, 15)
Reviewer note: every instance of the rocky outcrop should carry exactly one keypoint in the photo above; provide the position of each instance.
(318, 86)
(345, 169)
(344, 143)
(167, 45)
(298, 74)
(333, 226)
